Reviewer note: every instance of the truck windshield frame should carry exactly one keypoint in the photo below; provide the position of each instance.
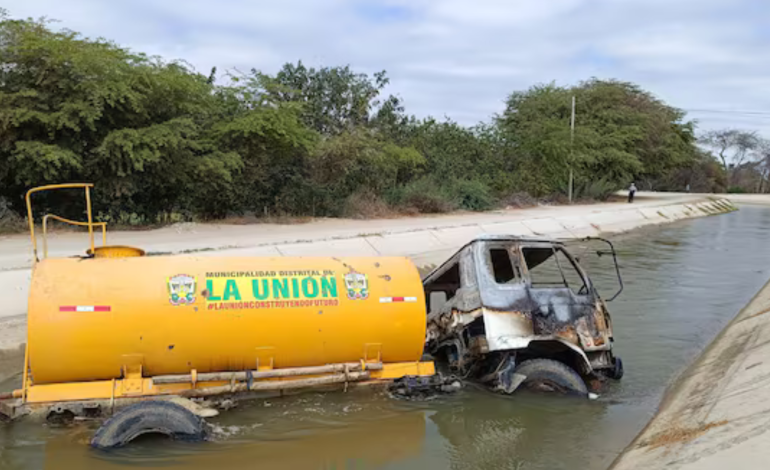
(535, 257)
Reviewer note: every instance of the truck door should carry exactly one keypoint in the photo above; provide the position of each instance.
(562, 300)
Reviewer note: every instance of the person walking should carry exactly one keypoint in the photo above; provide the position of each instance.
(631, 193)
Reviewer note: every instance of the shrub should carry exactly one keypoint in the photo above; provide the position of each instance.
(10, 222)
(472, 195)
(598, 190)
(518, 200)
(424, 196)
(364, 204)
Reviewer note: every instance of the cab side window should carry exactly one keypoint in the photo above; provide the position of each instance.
(551, 268)
(502, 265)
(444, 287)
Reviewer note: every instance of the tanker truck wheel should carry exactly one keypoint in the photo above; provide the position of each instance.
(150, 417)
(617, 371)
(547, 375)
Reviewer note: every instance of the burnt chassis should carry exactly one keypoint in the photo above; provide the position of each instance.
(486, 315)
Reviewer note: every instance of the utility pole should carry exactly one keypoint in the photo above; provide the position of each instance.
(571, 145)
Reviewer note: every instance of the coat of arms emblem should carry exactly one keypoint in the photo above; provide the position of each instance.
(357, 285)
(181, 289)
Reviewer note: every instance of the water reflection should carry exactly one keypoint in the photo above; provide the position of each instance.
(484, 430)
(303, 432)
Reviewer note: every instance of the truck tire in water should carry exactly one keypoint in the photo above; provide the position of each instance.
(150, 417)
(617, 370)
(547, 375)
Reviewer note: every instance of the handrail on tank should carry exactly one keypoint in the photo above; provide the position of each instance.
(103, 225)
(86, 186)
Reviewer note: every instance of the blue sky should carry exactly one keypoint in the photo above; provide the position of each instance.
(460, 59)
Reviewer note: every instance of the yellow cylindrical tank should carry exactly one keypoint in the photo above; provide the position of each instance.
(116, 251)
(88, 318)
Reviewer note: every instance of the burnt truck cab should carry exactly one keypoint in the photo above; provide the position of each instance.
(511, 311)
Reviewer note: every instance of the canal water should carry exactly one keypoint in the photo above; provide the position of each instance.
(684, 282)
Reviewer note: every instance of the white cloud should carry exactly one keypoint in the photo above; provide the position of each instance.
(459, 58)
(500, 13)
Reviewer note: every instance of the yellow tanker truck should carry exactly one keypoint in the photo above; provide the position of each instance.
(115, 327)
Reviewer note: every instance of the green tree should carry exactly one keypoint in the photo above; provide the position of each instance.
(536, 125)
(733, 147)
(622, 132)
(703, 175)
(354, 162)
(73, 108)
(160, 139)
(468, 165)
(273, 145)
(334, 99)
(632, 121)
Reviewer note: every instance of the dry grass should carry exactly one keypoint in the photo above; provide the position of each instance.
(268, 219)
(519, 201)
(366, 205)
(12, 223)
(679, 435)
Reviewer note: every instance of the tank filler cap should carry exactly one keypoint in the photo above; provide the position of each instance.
(115, 251)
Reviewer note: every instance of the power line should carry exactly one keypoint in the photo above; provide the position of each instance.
(703, 117)
(729, 111)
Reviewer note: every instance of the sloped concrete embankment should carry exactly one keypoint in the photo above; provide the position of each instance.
(430, 246)
(427, 246)
(717, 414)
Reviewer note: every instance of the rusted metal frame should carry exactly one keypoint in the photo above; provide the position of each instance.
(561, 270)
(14, 410)
(445, 266)
(539, 244)
(25, 377)
(579, 269)
(494, 375)
(103, 225)
(454, 341)
(490, 293)
(31, 219)
(343, 373)
(614, 259)
(600, 359)
(486, 257)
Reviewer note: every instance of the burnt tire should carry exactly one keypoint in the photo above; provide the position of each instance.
(150, 417)
(616, 372)
(547, 375)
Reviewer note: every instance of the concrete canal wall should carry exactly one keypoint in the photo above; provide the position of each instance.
(427, 240)
(717, 414)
